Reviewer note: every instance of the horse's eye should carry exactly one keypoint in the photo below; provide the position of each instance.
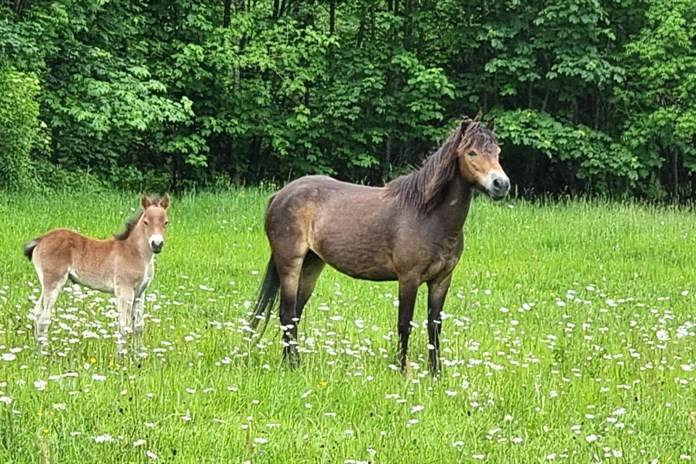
(472, 153)
(166, 223)
(146, 223)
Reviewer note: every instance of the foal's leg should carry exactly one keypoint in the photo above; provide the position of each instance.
(138, 319)
(437, 292)
(51, 285)
(408, 289)
(125, 296)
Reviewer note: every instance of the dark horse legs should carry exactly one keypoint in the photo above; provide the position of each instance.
(295, 291)
(437, 291)
(408, 290)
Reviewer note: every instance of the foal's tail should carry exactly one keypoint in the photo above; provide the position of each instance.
(268, 294)
(29, 248)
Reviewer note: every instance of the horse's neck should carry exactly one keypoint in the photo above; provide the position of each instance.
(138, 242)
(455, 206)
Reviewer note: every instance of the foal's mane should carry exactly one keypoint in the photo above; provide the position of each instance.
(425, 188)
(130, 226)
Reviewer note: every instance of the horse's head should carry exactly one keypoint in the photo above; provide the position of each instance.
(478, 154)
(154, 220)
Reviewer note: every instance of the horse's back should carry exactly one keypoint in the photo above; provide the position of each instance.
(310, 198)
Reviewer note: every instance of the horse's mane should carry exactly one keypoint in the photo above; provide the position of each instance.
(425, 188)
(130, 226)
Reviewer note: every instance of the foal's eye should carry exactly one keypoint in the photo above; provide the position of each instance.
(166, 223)
(146, 223)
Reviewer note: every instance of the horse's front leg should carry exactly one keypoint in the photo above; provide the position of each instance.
(437, 292)
(138, 319)
(125, 296)
(408, 289)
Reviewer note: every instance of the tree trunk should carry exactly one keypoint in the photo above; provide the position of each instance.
(332, 17)
(227, 14)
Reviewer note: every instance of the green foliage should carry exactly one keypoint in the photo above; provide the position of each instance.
(186, 93)
(593, 154)
(661, 93)
(19, 127)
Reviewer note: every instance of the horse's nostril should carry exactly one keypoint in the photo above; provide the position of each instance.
(497, 183)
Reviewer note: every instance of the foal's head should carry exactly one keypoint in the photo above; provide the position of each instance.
(154, 220)
(478, 154)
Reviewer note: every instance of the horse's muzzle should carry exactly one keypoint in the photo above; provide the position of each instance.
(156, 243)
(497, 185)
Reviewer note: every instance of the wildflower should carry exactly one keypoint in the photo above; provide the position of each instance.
(106, 438)
(151, 455)
(260, 441)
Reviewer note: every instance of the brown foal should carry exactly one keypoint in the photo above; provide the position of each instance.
(123, 265)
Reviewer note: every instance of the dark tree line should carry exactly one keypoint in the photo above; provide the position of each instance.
(588, 96)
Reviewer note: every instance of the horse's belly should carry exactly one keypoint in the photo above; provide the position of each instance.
(366, 273)
(359, 262)
(93, 280)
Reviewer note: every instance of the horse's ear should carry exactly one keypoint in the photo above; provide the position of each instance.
(491, 125)
(164, 202)
(465, 124)
(145, 201)
(479, 115)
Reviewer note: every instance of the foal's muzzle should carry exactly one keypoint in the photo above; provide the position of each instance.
(156, 243)
(497, 185)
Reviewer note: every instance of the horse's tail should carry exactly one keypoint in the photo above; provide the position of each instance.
(29, 248)
(268, 294)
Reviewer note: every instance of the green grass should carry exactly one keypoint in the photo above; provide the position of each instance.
(569, 337)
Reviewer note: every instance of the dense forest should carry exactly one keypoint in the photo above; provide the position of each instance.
(589, 96)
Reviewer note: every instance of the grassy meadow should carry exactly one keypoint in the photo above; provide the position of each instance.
(569, 336)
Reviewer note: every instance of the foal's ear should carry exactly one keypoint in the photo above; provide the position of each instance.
(164, 202)
(145, 201)
(491, 125)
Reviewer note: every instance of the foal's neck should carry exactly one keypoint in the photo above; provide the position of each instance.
(138, 241)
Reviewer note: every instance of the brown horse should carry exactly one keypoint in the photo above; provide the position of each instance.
(123, 265)
(409, 230)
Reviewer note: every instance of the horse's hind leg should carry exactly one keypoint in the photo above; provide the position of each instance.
(311, 269)
(289, 270)
(52, 282)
